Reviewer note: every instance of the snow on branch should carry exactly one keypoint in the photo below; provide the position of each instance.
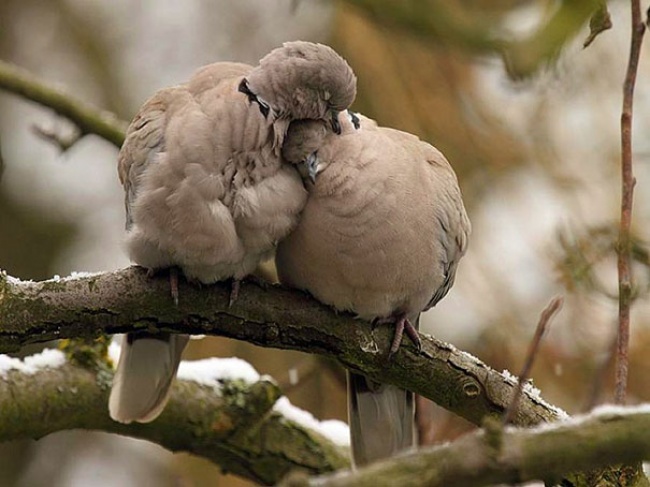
(495, 456)
(220, 409)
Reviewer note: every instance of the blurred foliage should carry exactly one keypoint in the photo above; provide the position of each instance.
(432, 93)
(600, 21)
(479, 27)
(420, 65)
(92, 354)
(581, 255)
(30, 242)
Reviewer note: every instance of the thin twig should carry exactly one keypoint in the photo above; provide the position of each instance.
(88, 119)
(2, 163)
(627, 185)
(544, 319)
(424, 421)
(61, 141)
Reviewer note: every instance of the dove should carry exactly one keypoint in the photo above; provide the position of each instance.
(207, 191)
(381, 236)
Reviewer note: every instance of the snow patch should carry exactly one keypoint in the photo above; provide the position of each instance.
(48, 359)
(509, 377)
(74, 275)
(614, 410)
(212, 371)
(334, 430)
(55, 278)
(208, 372)
(599, 413)
(114, 352)
(535, 394)
(13, 280)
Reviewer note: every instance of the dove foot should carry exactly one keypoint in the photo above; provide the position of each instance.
(402, 325)
(234, 291)
(173, 280)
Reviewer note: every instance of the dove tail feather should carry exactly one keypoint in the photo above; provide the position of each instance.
(144, 375)
(381, 418)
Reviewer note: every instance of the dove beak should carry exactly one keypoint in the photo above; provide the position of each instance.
(312, 166)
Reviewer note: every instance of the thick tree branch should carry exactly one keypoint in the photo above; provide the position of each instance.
(494, 456)
(233, 426)
(88, 119)
(126, 300)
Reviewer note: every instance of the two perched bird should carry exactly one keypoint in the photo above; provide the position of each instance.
(375, 226)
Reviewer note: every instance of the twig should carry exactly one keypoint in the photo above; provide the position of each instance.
(87, 118)
(63, 142)
(2, 163)
(424, 421)
(627, 194)
(544, 319)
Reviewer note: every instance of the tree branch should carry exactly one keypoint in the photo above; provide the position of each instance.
(627, 195)
(494, 456)
(127, 300)
(232, 425)
(88, 119)
(270, 316)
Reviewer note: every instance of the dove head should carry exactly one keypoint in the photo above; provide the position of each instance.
(305, 138)
(302, 80)
(300, 147)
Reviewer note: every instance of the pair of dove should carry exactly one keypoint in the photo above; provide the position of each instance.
(211, 170)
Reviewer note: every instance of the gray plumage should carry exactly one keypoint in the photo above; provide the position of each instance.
(381, 235)
(208, 191)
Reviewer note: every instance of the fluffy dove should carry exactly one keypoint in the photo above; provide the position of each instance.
(381, 236)
(208, 192)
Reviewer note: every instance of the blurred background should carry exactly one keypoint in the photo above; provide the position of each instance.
(534, 140)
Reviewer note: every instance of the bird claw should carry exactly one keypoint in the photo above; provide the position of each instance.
(173, 283)
(234, 291)
(413, 335)
(402, 325)
(173, 280)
